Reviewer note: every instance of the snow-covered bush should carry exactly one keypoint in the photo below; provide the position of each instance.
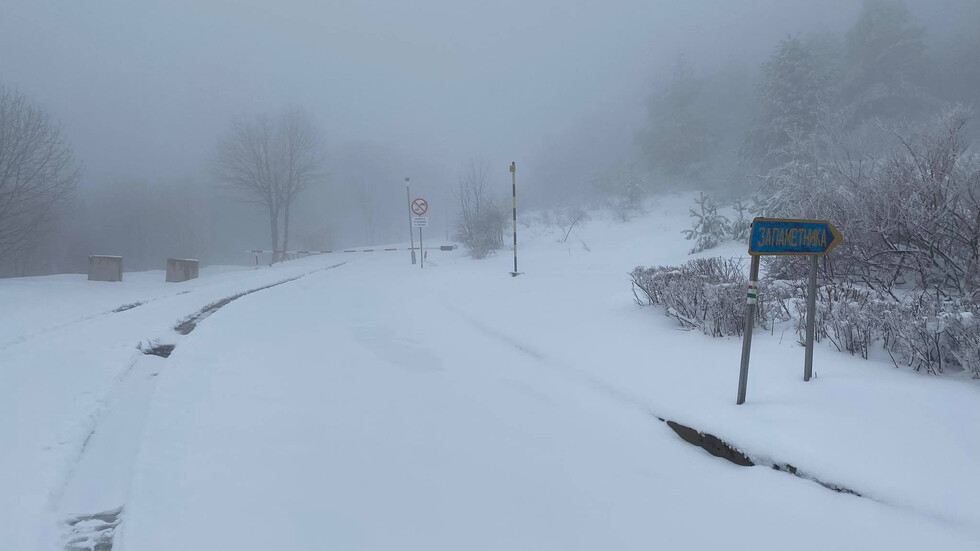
(482, 219)
(482, 232)
(963, 339)
(847, 315)
(933, 335)
(704, 293)
(909, 218)
(710, 228)
(917, 330)
(623, 188)
(920, 331)
(907, 275)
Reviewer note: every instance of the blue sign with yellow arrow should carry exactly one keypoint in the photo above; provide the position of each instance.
(771, 236)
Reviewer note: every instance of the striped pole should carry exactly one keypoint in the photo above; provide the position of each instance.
(513, 183)
(752, 298)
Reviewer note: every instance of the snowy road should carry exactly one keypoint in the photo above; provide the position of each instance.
(379, 406)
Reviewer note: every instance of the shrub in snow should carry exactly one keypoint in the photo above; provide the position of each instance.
(704, 293)
(909, 218)
(933, 335)
(963, 339)
(847, 315)
(567, 218)
(921, 331)
(710, 228)
(482, 232)
(623, 188)
(482, 220)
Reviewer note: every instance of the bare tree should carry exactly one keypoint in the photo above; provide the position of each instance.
(303, 159)
(37, 171)
(269, 163)
(482, 220)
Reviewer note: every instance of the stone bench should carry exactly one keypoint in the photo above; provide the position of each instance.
(181, 269)
(105, 268)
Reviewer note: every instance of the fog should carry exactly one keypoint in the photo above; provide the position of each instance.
(144, 92)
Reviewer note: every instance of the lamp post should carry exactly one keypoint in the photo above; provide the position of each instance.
(408, 199)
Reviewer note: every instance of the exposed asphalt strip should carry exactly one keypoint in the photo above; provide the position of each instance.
(96, 531)
(719, 448)
(189, 323)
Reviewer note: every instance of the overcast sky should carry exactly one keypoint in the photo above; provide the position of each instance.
(144, 89)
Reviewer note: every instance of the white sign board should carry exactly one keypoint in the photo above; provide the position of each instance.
(420, 206)
(420, 222)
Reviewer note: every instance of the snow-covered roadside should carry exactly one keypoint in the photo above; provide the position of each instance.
(904, 439)
(64, 352)
(383, 406)
(460, 409)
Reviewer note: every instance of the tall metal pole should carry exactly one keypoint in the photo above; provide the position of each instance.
(811, 313)
(411, 234)
(752, 298)
(513, 182)
(421, 250)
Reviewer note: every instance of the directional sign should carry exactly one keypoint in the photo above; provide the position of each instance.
(793, 237)
(420, 206)
(420, 222)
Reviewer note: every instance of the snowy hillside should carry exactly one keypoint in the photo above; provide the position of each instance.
(369, 404)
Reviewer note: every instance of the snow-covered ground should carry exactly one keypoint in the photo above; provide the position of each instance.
(379, 406)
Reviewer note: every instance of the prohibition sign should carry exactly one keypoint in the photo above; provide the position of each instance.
(420, 206)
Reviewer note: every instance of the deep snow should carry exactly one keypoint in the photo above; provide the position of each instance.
(380, 406)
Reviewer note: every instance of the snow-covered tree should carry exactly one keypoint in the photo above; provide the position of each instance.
(794, 93)
(678, 139)
(37, 172)
(710, 228)
(885, 55)
(742, 223)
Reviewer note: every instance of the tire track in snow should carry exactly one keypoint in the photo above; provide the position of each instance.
(47, 330)
(98, 478)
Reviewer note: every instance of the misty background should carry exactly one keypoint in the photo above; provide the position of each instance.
(577, 93)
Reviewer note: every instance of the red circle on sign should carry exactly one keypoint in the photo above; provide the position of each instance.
(420, 206)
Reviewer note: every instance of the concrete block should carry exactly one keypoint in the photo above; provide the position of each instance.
(105, 268)
(181, 269)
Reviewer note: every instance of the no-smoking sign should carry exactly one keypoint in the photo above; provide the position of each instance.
(420, 206)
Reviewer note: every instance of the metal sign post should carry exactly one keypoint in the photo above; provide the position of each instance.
(811, 314)
(777, 236)
(750, 301)
(419, 207)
